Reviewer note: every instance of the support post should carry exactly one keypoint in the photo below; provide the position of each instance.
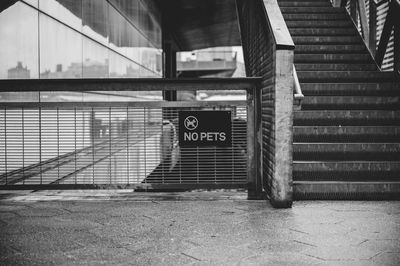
(282, 187)
(363, 20)
(353, 10)
(372, 26)
(254, 142)
(396, 62)
(169, 68)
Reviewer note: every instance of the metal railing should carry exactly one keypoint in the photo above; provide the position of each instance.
(379, 27)
(105, 133)
(298, 94)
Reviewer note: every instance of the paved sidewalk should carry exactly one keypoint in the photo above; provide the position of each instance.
(119, 227)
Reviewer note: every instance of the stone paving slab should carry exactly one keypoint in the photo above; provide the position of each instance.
(122, 227)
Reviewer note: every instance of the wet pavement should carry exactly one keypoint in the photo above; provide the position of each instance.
(122, 227)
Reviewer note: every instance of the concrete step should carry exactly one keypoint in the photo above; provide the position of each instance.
(351, 103)
(376, 134)
(346, 152)
(312, 10)
(336, 67)
(331, 48)
(347, 118)
(315, 17)
(346, 170)
(346, 76)
(319, 24)
(313, 40)
(344, 190)
(323, 31)
(304, 4)
(332, 58)
(364, 89)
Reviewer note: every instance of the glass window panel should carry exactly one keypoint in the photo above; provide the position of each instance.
(149, 58)
(67, 11)
(133, 48)
(95, 59)
(133, 70)
(60, 50)
(61, 96)
(119, 38)
(25, 96)
(118, 65)
(144, 51)
(145, 73)
(159, 64)
(32, 2)
(19, 42)
(130, 9)
(95, 19)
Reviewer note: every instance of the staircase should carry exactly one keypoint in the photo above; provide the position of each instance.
(347, 133)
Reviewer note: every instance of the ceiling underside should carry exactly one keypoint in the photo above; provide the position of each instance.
(198, 24)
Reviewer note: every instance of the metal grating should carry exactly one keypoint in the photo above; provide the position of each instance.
(114, 144)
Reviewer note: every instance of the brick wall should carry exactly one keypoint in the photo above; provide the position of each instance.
(260, 56)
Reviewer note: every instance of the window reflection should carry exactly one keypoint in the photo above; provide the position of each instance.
(67, 11)
(118, 32)
(95, 17)
(80, 38)
(19, 42)
(95, 60)
(133, 49)
(60, 50)
(32, 2)
(24, 96)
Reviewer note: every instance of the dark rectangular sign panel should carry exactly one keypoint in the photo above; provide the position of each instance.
(205, 128)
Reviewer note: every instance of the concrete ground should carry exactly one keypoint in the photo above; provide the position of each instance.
(119, 227)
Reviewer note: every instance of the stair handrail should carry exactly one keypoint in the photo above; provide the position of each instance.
(298, 94)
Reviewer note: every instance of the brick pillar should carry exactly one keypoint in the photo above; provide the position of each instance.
(266, 57)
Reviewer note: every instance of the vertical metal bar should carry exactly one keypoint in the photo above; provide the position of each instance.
(372, 26)
(258, 140)
(58, 143)
(109, 146)
(23, 145)
(362, 12)
(127, 143)
(232, 149)
(254, 138)
(163, 148)
(144, 143)
(215, 164)
(92, 135)
(197, 165)
(396, 41)
(40, 144)
(75, 162)
(353, 11)
(5, 144)
(251, 167)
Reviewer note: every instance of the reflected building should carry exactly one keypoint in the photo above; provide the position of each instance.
(80, 39)
(19, 72)
(206, 63)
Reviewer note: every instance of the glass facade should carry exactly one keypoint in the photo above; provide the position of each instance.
(80, 39)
